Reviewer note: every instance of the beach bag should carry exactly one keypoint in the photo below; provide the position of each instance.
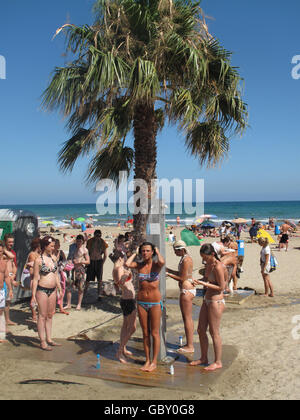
(68, 267)
(273, 263)
(25, 279)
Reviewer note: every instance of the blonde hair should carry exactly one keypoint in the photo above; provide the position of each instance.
(263, 241)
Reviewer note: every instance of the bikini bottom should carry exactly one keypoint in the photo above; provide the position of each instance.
(192, 291)
(127, 306)
(46, 290)
(148, 305)
(219, 302)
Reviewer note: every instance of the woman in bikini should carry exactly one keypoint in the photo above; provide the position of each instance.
(33, 255)
(61, 262)
(149, 298)
(123, 280)
(184, 277)
(46, 283)
(212, 308)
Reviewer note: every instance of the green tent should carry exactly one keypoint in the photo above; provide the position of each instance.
(190, 238)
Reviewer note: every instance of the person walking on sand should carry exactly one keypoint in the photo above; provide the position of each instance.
(79, 256)
(149, 298)
(184, 277)
(212, 308)
(265, 265)
(5, 286)
(123, 280)
(285, 229)
(46, 285)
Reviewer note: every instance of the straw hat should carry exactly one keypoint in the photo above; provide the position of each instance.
(180, 245)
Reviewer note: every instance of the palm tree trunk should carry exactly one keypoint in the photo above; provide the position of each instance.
(145, 131)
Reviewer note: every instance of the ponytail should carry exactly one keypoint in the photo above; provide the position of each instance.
(208, 249)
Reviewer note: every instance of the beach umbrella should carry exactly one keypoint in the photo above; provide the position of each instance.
(208, 216)
(189, 238)
(227, 223)
(239, 220)
(207, 225)
(59, 224)
(263, 234)
(198, 221)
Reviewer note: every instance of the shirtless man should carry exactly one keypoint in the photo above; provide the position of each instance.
(123, 280)
(9, 242)
(5, 283)
(285, 229)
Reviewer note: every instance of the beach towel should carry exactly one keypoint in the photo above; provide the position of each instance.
(190, 238)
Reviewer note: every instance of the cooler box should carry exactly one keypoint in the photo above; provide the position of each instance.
(24, 226)
(241, 248)
(277, 230)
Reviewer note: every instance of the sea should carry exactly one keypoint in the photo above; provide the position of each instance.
(260, 210)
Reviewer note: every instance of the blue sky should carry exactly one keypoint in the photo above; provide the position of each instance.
(263, 165)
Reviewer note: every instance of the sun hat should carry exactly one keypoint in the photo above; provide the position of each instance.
(179, 245)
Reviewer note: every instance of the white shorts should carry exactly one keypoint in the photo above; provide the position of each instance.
(267, 269)
(2, 298)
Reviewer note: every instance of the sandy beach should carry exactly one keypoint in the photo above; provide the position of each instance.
(262, 329)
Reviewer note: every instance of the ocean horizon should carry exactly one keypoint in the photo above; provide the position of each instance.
(225, 210)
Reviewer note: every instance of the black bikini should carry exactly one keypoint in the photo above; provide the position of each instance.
(44, 270)
(46, 290)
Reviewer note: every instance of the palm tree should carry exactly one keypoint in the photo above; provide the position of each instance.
(144, 63)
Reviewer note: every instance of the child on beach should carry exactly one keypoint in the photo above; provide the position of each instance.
(123, 280)
(265, 264)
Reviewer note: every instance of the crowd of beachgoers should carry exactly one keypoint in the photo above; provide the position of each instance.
(54, 277)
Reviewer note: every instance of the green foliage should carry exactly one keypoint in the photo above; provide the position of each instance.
(153, 52)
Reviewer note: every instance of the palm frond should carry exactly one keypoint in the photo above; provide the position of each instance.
(109, 162)
(207, 142)
(79, 145)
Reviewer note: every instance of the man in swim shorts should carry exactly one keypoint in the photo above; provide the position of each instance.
(285, 229)
(97, 248)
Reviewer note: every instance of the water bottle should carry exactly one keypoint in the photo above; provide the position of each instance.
(172, 370)
(98, 362)
(180, 340)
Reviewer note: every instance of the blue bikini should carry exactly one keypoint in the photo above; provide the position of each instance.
(150, 278)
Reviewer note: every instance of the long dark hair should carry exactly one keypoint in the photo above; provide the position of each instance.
(208, 249)
(47, 240)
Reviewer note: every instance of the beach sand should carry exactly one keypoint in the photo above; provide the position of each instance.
(262, 329)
